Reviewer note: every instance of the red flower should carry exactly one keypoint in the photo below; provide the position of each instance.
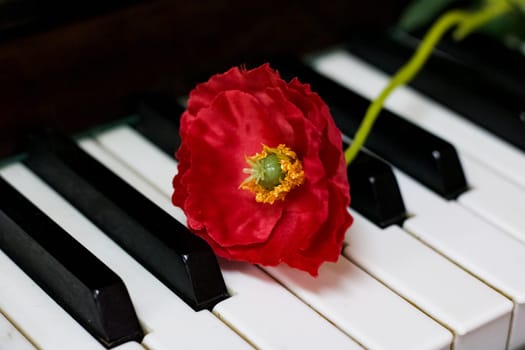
(261, 175)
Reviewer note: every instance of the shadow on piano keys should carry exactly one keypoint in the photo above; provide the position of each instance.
(445, 273)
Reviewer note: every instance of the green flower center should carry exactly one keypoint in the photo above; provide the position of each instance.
(269, 171)
(272, 173)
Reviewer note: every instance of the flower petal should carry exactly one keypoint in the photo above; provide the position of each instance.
(236, 78)
(229, 118)
(217, 158)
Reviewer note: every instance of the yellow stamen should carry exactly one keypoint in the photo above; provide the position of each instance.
(273, 173)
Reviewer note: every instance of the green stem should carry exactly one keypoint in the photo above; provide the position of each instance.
(466, 22)
(475, 20)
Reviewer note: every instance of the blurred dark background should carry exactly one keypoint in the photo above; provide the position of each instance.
(74, 64)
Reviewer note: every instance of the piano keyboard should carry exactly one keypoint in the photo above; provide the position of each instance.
(448, 277)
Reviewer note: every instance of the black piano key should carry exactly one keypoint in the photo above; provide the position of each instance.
(158, 120)
(178, 258)
(80, 283)
(429, 159)
(457, 86)
(374, 190)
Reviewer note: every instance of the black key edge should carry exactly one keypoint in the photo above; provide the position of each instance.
(438, 165)
(374, 191)
(77, 280)
(159, 116)
(144, 230)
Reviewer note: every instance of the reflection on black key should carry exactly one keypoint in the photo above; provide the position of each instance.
(374, 190)
(159, 121)
(456, 86)
(86, 288)
(178, 258)
(424, 156)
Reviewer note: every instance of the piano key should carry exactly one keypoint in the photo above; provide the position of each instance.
(11, 338)
(424, 156)
(374, 190)
(167, 319)
(93, 294)
(260, 327)
(132, 178)
(32, 310)
(201, 331)
(494, 198)
(123, 142)
(457, 86)
(364, 308)
(491, 255)
(478, 315)
(354, 320)
(182, 261)
(257, 300)
(165, 168)
(130, 346)
(159, 121)
(468, 138)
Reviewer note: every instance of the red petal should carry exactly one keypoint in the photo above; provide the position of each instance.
(217, 157)
(249, 81)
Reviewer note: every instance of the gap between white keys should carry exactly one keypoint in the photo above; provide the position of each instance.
(480, 248)
(440, 288)
(11, 338)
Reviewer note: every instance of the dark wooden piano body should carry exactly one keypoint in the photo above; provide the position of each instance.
(62, 68)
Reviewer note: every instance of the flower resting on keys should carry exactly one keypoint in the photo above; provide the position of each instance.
(262, 177)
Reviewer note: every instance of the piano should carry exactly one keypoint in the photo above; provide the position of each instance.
(94, 256)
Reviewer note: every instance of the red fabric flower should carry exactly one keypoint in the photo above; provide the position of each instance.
(234, 116)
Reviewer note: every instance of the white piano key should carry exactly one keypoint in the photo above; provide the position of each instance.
(247, 310)
(156, 306)
(129, 346)
(482, 249)
(478, 143)
(140, 155)
(272, 318)
(11, 338)
(478, 315)
(363, 307)
(126, 143)
(32, 310)
(494, 198)
(198, 334)
(116, 141)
